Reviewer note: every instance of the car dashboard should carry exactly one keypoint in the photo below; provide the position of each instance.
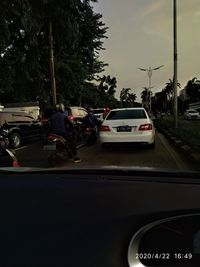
(105, 217)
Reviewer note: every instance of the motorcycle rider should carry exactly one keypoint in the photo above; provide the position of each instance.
(90, 120)
(4, 141)
(61, 125)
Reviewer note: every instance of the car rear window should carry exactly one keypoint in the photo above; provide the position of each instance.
(81, 113)
(78, 112)
(75, 112)
(98, 111)
(127, 114)
(193, 111)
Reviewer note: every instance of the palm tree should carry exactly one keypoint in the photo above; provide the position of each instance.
(126, 97)
(161, 101)
(193, 90)
(107, 85)
(169, 88)
(145, 95)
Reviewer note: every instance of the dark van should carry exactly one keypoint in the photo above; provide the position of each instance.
(21, 126)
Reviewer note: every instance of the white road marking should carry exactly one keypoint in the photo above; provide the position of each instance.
(180, 164)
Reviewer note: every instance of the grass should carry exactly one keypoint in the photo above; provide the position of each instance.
(187, 131)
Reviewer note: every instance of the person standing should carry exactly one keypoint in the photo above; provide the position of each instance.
(106, 111)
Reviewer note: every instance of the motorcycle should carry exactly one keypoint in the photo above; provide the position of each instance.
(7, 157)
(59, 148)
(90, 128)
(90, 135)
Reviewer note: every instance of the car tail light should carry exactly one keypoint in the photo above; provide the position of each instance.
(145, 127)
(15, 164)
(87, 129)
(105, 128)
(43, 121)
(71, 117)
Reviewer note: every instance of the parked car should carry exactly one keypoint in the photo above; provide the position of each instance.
(128, 125)
(76, 113)
(98, 113)
(21, 126)
(191, 114)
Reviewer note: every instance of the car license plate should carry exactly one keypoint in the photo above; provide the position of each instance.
(124, 129)
(50, 147)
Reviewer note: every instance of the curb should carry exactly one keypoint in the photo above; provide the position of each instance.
(186, 149)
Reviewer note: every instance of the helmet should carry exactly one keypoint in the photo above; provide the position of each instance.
(60, 107)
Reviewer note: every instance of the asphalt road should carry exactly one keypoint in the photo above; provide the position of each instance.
(164, 156)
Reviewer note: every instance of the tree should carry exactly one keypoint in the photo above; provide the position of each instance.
(160, 101)
(92, 31)
(193, 90)
(24, 47)
(107, 85)
(168, 89)
(145, 95)
(127, 99)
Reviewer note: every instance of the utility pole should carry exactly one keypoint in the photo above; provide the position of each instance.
(175, 65)
(149, 72)
(52, 68)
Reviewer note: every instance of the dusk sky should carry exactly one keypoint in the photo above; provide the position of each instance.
(140, 34)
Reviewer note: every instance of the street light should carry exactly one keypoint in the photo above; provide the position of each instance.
(175, 64)
(149, 72)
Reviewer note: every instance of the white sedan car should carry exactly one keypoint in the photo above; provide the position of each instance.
(130, 125)
(191, 114)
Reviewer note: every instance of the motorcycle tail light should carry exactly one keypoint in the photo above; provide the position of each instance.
(87, 129)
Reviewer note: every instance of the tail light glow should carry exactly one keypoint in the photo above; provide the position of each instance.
(145, 127)
(88, 129)
(43, 121)
(15, 164)
(105, 128)
(71, 117)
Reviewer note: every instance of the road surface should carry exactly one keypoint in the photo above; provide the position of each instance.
(164, 156)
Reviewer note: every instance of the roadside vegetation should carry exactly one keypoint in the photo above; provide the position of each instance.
(188, 131)
(78, 35)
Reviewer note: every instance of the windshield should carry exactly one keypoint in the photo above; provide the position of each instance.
(126, 114)
(102, 83)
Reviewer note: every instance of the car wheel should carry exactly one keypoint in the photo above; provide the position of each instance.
(152, 146)
(16, 140)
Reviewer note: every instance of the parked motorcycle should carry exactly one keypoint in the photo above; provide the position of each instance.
(7, 157)
(59, 148)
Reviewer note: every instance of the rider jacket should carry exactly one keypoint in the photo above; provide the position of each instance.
(59, 122)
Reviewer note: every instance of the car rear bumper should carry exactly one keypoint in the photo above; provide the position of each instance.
(147, 137)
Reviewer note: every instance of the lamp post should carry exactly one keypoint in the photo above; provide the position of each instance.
(175, 65)
(149, 72)
(52, 66)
